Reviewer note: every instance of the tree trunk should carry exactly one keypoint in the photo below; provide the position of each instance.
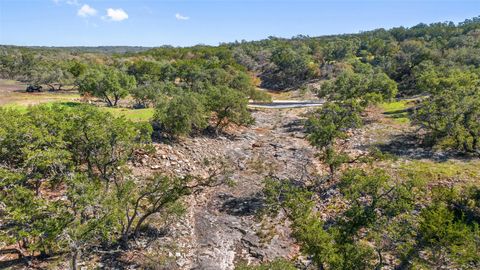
(52, 87)
(124, 240)
(74, 262)
(140, 222)
(109, 102)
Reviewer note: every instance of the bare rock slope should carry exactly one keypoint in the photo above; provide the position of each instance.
(221, 227)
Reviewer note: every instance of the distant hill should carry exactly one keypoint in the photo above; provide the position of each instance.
(97, 49)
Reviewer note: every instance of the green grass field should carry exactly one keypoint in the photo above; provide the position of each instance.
(397, 111)
(137, 115)
(12, 95)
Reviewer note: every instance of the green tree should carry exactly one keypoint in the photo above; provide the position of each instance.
(181, 115)
(90, 216)
(229, 106)
(451, 113)
(151, 94)
(447, 239)
(289, 68)
(102, 142)
(34, 143)
(107, 83)
(361, 83)
(32, 222)
(330, 124)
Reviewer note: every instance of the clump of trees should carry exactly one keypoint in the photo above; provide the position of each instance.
(188, 113)
(397, 52)
(384, 216)
(280, 63)
(361, 81)
(450, 113)
(382, 219)
(65, 185)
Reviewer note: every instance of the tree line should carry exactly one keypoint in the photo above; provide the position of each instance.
(402, 61)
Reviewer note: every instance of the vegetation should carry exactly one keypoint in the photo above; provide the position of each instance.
(451, 113)
(330, 124)
(382, 212)
(181, 115)
(106, 83)
(66, 181)
(229, 106)
(65, 184)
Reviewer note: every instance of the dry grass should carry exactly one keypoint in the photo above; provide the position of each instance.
(12, 93)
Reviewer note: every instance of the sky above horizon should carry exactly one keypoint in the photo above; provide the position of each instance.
(190, 22)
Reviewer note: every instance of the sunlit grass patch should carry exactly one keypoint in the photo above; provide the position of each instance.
(397, 111)
(26, 99)
(14, 106)
(467, 171)
(136, 115)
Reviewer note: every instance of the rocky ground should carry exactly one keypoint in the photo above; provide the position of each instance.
(221, 227)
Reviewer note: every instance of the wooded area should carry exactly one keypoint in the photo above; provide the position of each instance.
(66, 182)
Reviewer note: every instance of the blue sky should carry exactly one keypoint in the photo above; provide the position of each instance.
(190, 22)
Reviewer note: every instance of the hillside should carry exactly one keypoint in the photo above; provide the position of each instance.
(181, 158)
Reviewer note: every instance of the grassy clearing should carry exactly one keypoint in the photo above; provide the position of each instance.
(136, 115)
(13, 92)
(467, 171)
(394, 106)
(397, 111)
(25, 99)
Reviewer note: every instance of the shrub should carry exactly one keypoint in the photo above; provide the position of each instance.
(229, 106)
(181, 115)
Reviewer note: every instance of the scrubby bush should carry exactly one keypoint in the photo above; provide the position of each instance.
(229, 106)
(181, 115)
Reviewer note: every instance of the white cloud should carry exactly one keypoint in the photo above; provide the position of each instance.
(86, 11)
(116, 14)
(179, 16)
(69, 2)
(73, 2)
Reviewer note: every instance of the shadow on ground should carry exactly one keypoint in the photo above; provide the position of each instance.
(411, 146)
(295, 126)
(242, 206)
